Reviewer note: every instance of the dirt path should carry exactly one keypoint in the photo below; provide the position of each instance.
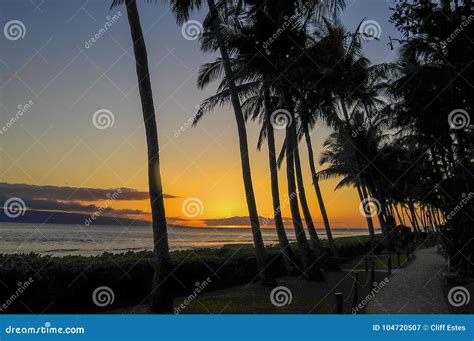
(416, 289)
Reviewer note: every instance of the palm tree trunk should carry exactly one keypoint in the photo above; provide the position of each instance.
(288, 255)
(304, 203)
(400, 216)
(369, 183)
(430, 218)
(390, 210)
(319, 195)
(420, 218)
(370, 224)
(435, 218)
(244, 150)
(311, 270)
(413, 216)
(161, 301)
(440, 215)
(410, 218)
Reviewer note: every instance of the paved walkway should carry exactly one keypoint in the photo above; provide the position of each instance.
(415, 289)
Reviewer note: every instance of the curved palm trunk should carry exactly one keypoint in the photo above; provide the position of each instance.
(312, 271)
(430, 219)
(414, 219)
(319, 195)
(244, 151)
(161, 301)
(419, 215)
(368, 182)
(435, 218)
(400, 217)
(279, 226)
(410, 219)
(380, 213)
(304, 203)
(370, 224)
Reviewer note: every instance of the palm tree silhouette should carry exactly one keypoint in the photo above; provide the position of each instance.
(257, 102)
(215, 39)
(341, 161)
(161, 300)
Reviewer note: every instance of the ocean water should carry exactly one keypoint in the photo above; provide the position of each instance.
(61, 240)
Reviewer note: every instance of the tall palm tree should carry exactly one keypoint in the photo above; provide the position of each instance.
(280, 227)
(251, 62)
(161, 300)
(319, 194)
(340, 159)
(291, 142)
(287, 49)
(307, 118)
(304, 203)
(355, 84)
(216, 39)
(258, 103)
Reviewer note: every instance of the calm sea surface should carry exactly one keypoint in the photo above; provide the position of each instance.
(63, 240)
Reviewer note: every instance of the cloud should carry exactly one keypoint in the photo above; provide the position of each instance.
(61, 193)
(228, 221)
(44, 217)
(72, 207)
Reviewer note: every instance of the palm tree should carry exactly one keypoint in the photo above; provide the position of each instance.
(216, 39)
(267, 17)
(355, 85)
(307, 117)
(288, 49)
(304, 205)
(317, 189)
(282, 237)
(340, 159)
(291, 141)
(161, 300)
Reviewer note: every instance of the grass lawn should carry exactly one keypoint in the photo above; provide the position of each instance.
(307, 297)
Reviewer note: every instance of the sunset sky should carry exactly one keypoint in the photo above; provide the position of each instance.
(64, 82)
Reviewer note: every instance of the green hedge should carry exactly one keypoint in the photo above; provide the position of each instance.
(66, 284)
